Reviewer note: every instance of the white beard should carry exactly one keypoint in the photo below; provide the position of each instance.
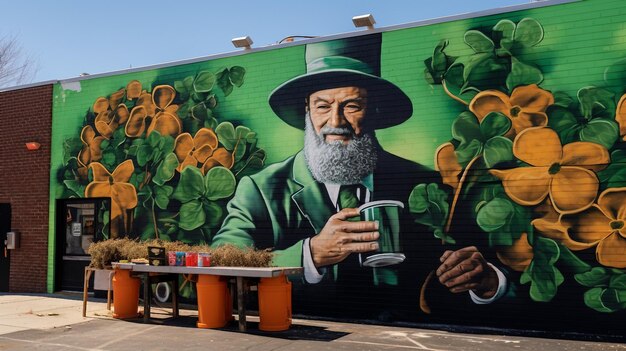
(336, 162)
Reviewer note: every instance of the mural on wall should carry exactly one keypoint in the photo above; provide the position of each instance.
(548, 167)
(526, 201)
(144, 149)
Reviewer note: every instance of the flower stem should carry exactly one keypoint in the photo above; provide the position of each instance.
(457, 193)
(445, 88)
(423, 304)
(154, 220)
(422, 300)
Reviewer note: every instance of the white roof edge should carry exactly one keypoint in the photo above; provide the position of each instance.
(489, 12)
(30, 85)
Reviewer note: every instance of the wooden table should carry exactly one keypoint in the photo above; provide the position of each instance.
(88, 273)
(241, 274)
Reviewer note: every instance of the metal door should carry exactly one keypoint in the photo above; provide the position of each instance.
(5, 226)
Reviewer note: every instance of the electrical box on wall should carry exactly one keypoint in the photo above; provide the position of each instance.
(12, 241)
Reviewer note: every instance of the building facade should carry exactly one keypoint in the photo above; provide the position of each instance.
(501, 131)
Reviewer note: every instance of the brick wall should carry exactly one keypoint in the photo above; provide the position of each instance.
(25, 115)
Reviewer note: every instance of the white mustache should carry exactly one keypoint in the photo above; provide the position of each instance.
(336, 131)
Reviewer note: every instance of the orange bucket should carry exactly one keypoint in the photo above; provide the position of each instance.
(214, 303)
(125, 294)
(275, 304)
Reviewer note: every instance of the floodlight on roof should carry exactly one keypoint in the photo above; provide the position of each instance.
(242, 42)
(364, 21)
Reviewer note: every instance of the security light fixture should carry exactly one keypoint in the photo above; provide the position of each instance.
(364, 21)
(242, 42)
(32, 146)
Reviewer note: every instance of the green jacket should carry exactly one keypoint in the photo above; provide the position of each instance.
(282, 205)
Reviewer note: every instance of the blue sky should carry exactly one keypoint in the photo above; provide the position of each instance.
(67, 37)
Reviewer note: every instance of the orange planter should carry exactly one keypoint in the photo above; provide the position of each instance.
(125, 294)
(214, 303)
(275, 304)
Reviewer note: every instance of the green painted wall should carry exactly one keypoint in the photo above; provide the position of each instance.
(534, 158)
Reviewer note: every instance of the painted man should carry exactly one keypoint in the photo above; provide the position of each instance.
(295, 206)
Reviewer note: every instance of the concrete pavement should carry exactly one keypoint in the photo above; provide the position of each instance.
(55, 322)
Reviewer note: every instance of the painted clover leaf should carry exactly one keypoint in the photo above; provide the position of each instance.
(437, 64)
(117, 187)
(193, 151)
(203, 82)
(601, 226)
(228, 78)
(156, 113)
(235, 139)
(429, 207)
(109, 117)
(554, 171)
(506, 225)
(197, 193)
(518, 255)
(476, 137)
(200, 101)
(591, 121)
(543, 276)
(152, 149)
(608, 289)
(525, 107)
(133, 90)
(503, 220)
(447, 164)
(166, 169)
(614, 176)
(220, 158)
(620, 116)
(490, 65)
(91, 151)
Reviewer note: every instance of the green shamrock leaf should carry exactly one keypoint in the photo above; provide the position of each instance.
(543, 276)
(204, 82)
(429, 207)
(479, 42)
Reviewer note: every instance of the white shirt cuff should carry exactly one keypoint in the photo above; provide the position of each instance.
(499, 292)
(311, 274)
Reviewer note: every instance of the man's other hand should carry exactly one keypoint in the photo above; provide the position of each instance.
(466, 269)
(340, 237)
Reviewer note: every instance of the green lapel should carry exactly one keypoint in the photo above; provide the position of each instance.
(312, 199)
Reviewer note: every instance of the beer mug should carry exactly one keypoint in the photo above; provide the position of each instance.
(387, 214)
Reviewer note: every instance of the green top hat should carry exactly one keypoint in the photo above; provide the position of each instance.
(351, 61)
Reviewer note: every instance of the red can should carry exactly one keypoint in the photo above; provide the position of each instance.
(204, 259)
(191, 259)
(171, 258)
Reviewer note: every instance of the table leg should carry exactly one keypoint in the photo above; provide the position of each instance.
(111, 273)
(241, 303)
(175, 294)
(146, 297)
(85, 288)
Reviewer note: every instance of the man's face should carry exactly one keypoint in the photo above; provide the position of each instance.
(343, 107)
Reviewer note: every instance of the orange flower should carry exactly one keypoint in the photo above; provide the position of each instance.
(220, 157)
(191, 151)
(91, 149)
(110, 113)
(526, 107)
(447, 164)
(133, 89)
(563, 172)
(620, 116)
(603, 224)
(159, 107)
(517, 256)
(115, 186)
